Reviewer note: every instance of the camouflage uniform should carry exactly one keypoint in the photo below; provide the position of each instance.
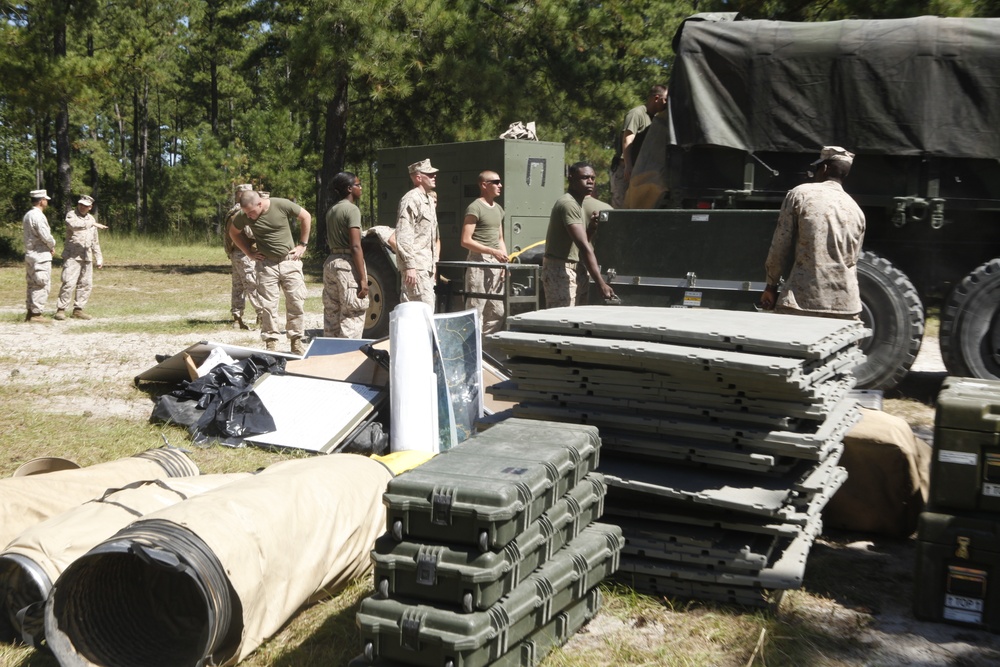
(815, 247)
(561, 254)
(278, 272)
(81, 252)
(343, 311)
(416, 239)
(489, 225)
(38, 248)
(244, 273)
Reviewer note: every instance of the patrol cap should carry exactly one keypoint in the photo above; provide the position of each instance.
(39, 194)
(834, 153)
(86, 200)
(244, 187)
(423, 167)
(264, 194)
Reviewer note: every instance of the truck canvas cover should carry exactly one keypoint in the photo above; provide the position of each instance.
(916, 86)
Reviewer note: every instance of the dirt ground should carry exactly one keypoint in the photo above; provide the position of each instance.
(858, 587)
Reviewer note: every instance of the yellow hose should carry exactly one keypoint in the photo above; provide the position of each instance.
(514, 255)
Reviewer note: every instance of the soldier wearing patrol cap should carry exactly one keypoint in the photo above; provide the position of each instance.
(80, 254)
(418, 244)
(38, 248)
(816, 245)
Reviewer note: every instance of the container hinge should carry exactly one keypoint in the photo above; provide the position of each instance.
(937, 213)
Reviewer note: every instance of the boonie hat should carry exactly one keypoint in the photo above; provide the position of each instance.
(834, 153)
(39, 194)
(264, 194)
(86, 200)
(424, 167)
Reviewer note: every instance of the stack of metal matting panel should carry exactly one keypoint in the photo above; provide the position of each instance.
(492, 552)
(734, 418)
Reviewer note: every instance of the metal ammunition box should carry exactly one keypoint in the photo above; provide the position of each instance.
(965, 469)
(470, 580)
(958, 570)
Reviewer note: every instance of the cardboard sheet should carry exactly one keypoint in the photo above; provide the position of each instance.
(175, 368)
(312, 414)
(339, 359)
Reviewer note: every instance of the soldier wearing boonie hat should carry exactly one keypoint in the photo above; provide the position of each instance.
(244, 268)
(418, 245)
(81, 253)
(816, 245)
(38, 248)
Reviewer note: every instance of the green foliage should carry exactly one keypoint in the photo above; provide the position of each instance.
(172, 102)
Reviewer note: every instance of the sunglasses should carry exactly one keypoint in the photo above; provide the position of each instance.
(495, 181)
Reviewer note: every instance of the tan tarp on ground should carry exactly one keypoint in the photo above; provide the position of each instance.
(888, 477)
(25, 501)
(36, 558)
(294, 531)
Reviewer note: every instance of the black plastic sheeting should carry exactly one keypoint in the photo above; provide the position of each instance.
(915, 86)
(221, 406)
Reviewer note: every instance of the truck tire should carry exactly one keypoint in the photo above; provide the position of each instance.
(383, 291)
(970, 324)
(891, 308)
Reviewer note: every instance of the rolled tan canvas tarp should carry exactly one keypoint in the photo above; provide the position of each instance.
(25, 501)
(36, 557)
(207, 580)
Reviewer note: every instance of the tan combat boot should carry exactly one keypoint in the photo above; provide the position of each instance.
(37, 318)
(297, 347)
(271, 345)
(60, 314)
(80, 315)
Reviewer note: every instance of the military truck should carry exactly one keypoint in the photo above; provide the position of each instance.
(532, 174)
(752, 102)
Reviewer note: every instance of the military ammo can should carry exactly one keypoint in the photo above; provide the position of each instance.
(958, 570)
(965, 469)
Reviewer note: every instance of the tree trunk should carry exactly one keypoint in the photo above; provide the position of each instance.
(334, 142)
(214, 111)
(140, 124)
(63, 165)
(95, 176)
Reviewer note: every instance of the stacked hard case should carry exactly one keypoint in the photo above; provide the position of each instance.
(958, 538)
(492, 552)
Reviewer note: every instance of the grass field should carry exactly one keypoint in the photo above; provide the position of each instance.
(67, 392)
